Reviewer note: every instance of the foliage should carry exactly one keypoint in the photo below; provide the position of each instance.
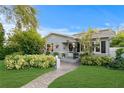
(28, 42)
(119, 52)
(7, 50)
(47, 53)
(1, 35)
(118, 40)
(63, 54)
(26, 61)
(55, 53)
(24, 16)
(118, 62)
(95, 60)
(2, 53)
(86, 41)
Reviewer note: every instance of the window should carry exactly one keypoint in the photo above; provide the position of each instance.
(92, 46)
(103, 46)
(70, 47)
(98, 47)
(50, 47)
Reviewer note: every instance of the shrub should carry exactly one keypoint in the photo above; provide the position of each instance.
(119, 52)
(83, 54)
(47, 53)
(7, 51)
(63, 54)
(29, 42)
(2, 53)
(118, 62)
(95, 60)
(55, 53)
(26, 61)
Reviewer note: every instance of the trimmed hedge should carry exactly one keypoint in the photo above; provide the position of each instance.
(95, 60)
(55, 53)
(26, 61)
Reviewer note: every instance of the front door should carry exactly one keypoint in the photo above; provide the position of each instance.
(103, 46)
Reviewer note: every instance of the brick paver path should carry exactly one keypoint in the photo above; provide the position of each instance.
(44, 80)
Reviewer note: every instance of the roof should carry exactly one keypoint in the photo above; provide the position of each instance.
(60, 35)
(104, 33)
(100, 34)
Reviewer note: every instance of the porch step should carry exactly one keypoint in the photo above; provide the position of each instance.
(70, 60)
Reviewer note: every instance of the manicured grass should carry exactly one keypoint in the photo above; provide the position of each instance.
(90, 77)
(18, 78)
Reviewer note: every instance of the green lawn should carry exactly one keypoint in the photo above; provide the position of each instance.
(90, 77)
(18, 78)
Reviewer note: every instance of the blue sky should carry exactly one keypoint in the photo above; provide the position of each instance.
(73, 19)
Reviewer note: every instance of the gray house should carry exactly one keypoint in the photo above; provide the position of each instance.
(68, 44)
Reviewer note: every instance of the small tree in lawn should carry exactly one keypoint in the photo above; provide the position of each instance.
(86, 41)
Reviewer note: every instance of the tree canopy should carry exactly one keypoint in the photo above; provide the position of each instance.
(28, 42)
(86, 41)
(1, 35)
(24, 16)
(118, 40)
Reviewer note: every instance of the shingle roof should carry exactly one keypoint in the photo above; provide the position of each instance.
(60, 35)
(100, 34)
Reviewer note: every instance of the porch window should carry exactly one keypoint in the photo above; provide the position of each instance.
(70, 47)
(50, 47)
(97, 47)
(78, 47)
(82, 48)
(103, 46)
(92, 46)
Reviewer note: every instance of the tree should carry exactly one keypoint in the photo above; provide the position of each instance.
(28, 42)
(22, 15)
(86, 41)
(118, 40)
(1, 35)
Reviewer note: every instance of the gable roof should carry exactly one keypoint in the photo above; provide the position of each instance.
(100, 34)
(104, 33)
(62, 35)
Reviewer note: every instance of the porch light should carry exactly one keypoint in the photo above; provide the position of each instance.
(73, 45)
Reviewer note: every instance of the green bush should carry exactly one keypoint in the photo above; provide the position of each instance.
(95, 60)
(55, 53)
(119, 52)
(118, 62)
(63, 54)
(2, 53)
(26, 61)
(47, 53)
(28, 42)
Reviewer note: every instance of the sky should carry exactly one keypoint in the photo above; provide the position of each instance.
(74, 19)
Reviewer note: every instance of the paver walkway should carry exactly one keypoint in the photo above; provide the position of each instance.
(44, 80)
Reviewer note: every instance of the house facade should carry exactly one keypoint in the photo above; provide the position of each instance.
(70, 44)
